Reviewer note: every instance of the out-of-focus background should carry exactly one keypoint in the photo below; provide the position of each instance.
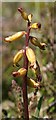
(13, 22)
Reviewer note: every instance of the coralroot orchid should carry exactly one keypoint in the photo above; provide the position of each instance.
(29, 57)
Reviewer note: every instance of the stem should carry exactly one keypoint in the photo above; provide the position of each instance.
(24, 87)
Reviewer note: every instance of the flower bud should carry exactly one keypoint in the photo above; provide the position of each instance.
(16, 36)
(42, 46)
(36, 42)
(23, 13)
(30, 17)
(30, 55)
(18, 57)
(35, 26)
(20, 72)
(32, 83)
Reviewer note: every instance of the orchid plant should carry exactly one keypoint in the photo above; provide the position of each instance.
(29, 57)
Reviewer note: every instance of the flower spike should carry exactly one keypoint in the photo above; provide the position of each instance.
(29, 59)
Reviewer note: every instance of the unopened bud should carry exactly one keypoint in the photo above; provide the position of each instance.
(30, 55)
(16, 36)
(42, 46)
(30, 17)
(36, 42)
(20, 72)
(23, 13)
(35, 26)
(18, 57)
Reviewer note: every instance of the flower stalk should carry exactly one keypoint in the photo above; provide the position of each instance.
(24, 87)
(29, 57)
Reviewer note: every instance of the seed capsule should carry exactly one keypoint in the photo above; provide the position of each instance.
(36, 42)
(16, 36)
(18, 57)
(20, 72)
(32, 83)
(35, 26)
(30, 55)
(23, 13)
